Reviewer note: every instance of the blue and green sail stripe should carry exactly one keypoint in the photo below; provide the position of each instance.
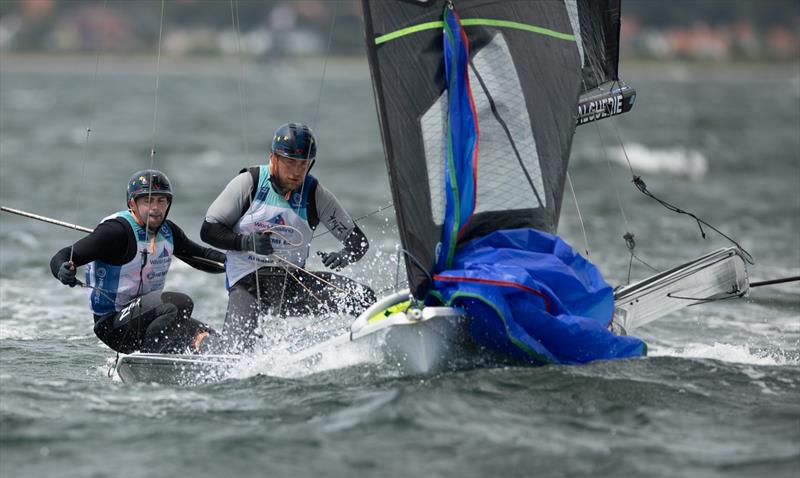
(461, 143)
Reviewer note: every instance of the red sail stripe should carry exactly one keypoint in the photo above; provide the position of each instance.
(497, 283)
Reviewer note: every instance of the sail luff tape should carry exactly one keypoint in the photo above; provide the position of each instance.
(471, 22)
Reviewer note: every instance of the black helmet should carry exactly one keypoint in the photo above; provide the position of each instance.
(294, 140)
(148, 181)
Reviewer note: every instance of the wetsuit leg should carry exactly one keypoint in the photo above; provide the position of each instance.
(241, 319)
(182, 301)
(155, 322)
(241, 328)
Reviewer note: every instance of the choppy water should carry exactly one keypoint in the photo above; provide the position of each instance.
(719, 395)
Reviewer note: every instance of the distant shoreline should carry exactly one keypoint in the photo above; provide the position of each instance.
(141, 63)
(111, 62)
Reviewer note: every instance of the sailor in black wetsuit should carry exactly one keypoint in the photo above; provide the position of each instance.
(265, 218)
(128, 256)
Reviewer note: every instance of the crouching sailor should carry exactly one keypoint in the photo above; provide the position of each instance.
(128, 256)
(265, 219)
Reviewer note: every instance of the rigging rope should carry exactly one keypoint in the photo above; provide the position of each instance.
(641, 186)
(580, 217)
(504, 125)
(775, 281)
(241, 86)
(380, 209)
(88, 131)
(630, 242)
(155, 113)
(152, 162)
(235, 24)
(325, 63)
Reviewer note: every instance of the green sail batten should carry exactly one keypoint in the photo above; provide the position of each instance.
(471, 22)
(408, 31)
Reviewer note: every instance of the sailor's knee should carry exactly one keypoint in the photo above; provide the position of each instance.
(167, 311)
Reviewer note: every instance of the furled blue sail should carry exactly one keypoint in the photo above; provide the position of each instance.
(533, 298)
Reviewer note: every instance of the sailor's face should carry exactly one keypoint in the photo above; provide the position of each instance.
(151, 209)
(291, 172)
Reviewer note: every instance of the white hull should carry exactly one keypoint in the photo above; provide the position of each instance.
(429, 346)
(174, 369)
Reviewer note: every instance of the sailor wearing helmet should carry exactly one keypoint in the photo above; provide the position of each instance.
(265, 219)
(128, 257)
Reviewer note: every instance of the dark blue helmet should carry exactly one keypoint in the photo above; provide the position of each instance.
(294, 140)
(148, 181)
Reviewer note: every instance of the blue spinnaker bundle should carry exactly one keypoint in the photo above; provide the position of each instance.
(531, 297)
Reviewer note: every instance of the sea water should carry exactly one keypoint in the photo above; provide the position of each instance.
(719, 394)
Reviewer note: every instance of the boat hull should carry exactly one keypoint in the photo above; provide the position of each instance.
(415, 340)
(173, 368)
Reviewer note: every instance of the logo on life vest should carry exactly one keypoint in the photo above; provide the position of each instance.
(152, 274)
(284, 236)
(278, 220)
(296, 200)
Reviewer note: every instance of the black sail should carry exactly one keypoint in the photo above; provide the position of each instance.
(527, 72)
(597, 35)
(599, 40)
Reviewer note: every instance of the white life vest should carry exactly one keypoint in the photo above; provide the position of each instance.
(288, 222)
(120, 284)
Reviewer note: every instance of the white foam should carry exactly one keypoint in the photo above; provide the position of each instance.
(725, 353)
(679, 161)
(331, 354)
(29, 315)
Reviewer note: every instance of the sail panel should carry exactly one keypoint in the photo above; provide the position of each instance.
(525, 77)
(599, 33)
(504, 185)
(575, 21)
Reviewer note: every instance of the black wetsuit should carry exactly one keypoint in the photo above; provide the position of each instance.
(158, 322)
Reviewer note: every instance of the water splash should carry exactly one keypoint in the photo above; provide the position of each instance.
(729, 353)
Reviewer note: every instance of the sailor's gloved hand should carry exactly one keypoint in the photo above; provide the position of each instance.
(66, 274)
(335, 260)
(259, 242)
